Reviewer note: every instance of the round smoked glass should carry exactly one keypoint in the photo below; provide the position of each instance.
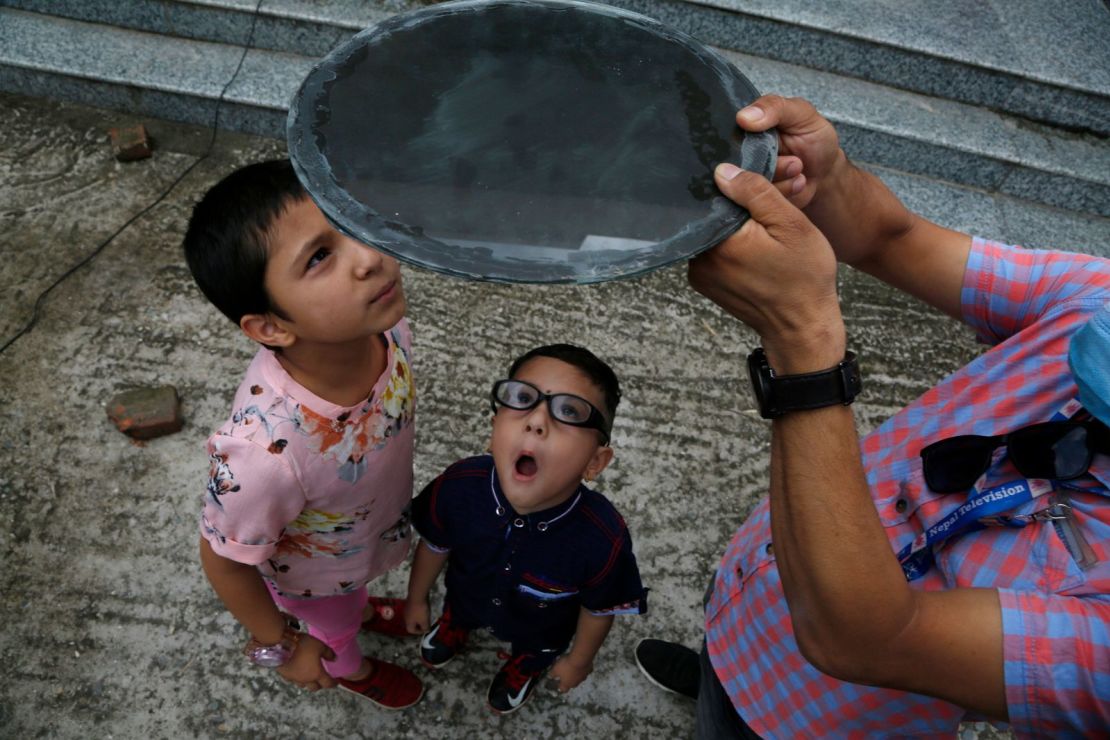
(538, 141)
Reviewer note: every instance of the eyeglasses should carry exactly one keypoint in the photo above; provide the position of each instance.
(563, 407)
(1059, 450)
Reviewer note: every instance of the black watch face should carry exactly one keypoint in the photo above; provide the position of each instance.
(525, 140)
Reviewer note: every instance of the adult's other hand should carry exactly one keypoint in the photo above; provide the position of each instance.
(777, 274)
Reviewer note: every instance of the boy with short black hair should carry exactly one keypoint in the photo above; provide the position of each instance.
(311, 476)
(530, 552)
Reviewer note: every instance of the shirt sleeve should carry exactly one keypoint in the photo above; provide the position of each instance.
(429, 517)
(616, 588)
(1056, 652)
(1008, 288)
(252, 495)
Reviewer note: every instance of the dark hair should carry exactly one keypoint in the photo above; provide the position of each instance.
(597, 371)
(226, 242)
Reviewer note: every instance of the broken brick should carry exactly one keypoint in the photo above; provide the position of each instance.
(146, 413)
(130, 143)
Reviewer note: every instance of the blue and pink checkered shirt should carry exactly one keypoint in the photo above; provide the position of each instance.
(1055, 613)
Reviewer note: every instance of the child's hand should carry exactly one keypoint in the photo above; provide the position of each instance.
(417, 616)
(569, 672)
(305, 668)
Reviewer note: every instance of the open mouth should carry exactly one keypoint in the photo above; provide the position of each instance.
(526, 466)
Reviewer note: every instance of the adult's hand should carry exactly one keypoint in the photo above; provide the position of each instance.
(866, 224)
(809, 148)
(777, 274)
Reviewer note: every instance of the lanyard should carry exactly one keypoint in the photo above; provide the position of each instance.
(980, 508)
(917, 557)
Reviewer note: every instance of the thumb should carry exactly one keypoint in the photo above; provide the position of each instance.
(755, 193)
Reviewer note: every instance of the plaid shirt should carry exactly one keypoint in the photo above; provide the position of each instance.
(1055, 614)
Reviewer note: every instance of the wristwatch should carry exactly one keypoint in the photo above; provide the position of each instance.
(780, 394)
(276, 655)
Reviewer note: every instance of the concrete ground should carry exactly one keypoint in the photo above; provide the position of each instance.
(109, 628)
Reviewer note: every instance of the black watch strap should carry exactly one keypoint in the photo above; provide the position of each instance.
(781, 394)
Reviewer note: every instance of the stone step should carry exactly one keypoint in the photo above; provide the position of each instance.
(1027, 58)
(163, 76)
(180, 79)
(947, 140)
(295, 26)
(1001, 217)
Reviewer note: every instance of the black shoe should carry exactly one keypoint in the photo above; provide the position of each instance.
(517, 679)
(442, 642)
(669, 666)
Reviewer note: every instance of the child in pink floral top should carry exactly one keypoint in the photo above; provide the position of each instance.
(311, 476)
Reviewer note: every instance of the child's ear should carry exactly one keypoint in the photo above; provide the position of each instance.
(266, 329)
(492, 426)
(598, 462)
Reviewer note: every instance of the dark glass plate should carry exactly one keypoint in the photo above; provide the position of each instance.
(525, 140)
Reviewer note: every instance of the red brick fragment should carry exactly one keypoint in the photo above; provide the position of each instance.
(130, 143)
(146, 413)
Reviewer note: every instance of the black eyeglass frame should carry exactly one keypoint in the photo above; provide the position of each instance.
(1097, 439)
(596, 419)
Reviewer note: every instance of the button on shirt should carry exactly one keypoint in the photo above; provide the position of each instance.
(525, 576)
(1055, 613)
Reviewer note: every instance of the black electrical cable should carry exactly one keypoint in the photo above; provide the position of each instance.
(100, 247)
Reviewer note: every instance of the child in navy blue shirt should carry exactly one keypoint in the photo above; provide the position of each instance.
(531, 553)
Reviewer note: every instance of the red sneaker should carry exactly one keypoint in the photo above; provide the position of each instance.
(388, 619)
(443, 641)
(389, 686)
(513, 684)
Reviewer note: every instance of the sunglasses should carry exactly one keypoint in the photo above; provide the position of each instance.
(1059, 450)
(563, 407)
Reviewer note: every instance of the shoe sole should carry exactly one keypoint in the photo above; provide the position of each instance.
(437, 666)
(502, 712)
(651, 679)
(378, 704)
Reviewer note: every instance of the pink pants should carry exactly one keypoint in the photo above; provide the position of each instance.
(334, 621)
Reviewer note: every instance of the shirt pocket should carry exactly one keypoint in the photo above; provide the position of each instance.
(541, 596)
(543, 601)
(899, 498)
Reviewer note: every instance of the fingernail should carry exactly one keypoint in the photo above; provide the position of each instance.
(798, 185)
(727, 171)
(794, 168)
(751, 113)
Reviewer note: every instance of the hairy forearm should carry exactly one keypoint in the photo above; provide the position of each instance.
(426, 567)
(856, 212)
(244, 593)
(871, 230)
(841, 581)
(589, 636)
(854, 614)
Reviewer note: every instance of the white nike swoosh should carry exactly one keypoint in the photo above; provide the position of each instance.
(426, 642)
(515, 701)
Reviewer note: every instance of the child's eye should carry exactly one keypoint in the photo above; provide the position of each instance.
(570, 412)
(317, 257)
